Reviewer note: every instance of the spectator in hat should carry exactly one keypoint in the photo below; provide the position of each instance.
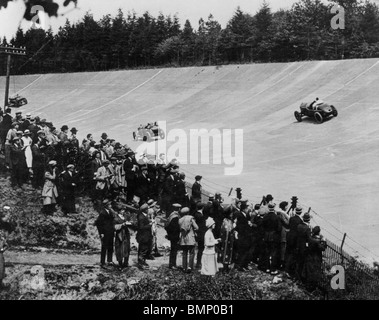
(50, 191)
(173, 234)
(196, 190)
(103, 139)
(144, 236)
(130, 168)
(105, 227)
(5, 126)
(73, 139)
(86, 142)
(10, 135)
(38, 167)
(41, 141)
(63, 135)
(122, 238)
(303, 238)
(188, 227)
(18, 163)
(312, 270)
(272, 231)
(284, 220)
(243, 233)
(200, 221)
(227, 239)
(27, 142)
(103, 177)
(143, 185)
(209, 266)
(292, 242)
(152, 213)
(181, 194)
(69, 184)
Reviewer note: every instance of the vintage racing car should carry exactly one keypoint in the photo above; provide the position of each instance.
(149, 132)
(316, 110)
(17, 101)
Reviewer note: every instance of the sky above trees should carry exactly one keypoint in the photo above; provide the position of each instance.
(222, 10)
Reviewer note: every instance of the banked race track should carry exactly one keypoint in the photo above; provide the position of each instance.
(332, 167)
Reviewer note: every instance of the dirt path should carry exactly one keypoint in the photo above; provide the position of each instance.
(69, 259)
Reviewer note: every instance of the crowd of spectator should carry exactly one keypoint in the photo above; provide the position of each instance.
(130, 193)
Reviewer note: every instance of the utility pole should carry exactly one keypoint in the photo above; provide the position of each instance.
(10, 51)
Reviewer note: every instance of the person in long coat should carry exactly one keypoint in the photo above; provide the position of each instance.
(284, 219)
(244, 236)
(105, 227)
(302, 245)
(69, 185)
(144, 236)
(272, 227)
(209, 266)
(290, 257)
(50, 191)
(200, 221)
(18, 163)
(227, 240)
(173, 234)
(312, 270)
(122, 238)
(187, 241)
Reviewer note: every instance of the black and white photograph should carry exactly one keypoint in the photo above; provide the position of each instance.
(206, 151)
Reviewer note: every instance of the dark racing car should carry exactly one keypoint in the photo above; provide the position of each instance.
(317, 110)
(149, 132)
(17, 101)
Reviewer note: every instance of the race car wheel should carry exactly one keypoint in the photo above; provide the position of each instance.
(319, 117)
(144, 138)
(161, 134)
(334, 112)
(23, 101)
(298, 116)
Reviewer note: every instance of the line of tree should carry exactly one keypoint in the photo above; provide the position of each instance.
(301, 33)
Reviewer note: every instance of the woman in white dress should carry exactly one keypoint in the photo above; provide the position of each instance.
(209, 265)
(27, 142)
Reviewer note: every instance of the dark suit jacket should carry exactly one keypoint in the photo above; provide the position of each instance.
(272, 227)
(196, 190)
(303, 237)
(128, 166)
(104, 222)
(17, 155)
(144, 234)
(143, 185)
(173, 230)
(169, 185)
(292, 233)
(67, 181)
(243, 229)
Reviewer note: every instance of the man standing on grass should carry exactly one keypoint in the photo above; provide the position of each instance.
(105, 226)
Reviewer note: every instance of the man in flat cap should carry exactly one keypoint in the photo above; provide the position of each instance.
(105, 227)
(272, 231)
(290, 256)
(18, 162)
(173, 234)
(144, 236)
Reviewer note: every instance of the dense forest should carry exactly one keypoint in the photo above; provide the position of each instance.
(127, 40)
